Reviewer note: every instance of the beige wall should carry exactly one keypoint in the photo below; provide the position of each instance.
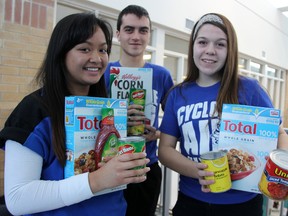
(25, 28)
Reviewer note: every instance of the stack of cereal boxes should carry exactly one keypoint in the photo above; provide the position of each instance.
(82, 125)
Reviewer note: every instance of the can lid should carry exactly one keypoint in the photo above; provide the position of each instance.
(212, 155)
(131, 139)
(280, 158)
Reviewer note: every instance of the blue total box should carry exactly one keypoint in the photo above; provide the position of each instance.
(82, 125)
(248, 134)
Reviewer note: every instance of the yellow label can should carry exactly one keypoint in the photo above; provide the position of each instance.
(218, 163)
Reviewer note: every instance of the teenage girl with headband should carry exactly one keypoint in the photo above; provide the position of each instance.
(192, 115)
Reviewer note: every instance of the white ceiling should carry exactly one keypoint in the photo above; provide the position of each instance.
(282, 5)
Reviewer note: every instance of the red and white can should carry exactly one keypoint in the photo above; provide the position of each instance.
(274, 180)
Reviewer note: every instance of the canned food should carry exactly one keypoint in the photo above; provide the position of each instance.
(131, 144)
(218, 163)
(274, 179)
(137, 96)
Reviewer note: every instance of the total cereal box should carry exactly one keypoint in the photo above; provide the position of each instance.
(82, 125)
(248, 134)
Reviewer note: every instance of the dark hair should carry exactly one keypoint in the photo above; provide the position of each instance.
(228, 92)
(69, 32)
(132, 9)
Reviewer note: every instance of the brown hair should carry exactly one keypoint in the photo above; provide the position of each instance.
(229, 73)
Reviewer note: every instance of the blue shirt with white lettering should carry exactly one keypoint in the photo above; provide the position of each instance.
(189, 117)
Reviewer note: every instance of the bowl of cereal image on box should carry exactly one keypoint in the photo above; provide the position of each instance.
(84, 161)
(241, 162)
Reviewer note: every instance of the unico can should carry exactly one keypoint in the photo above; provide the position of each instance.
(274, 180)
(131, 144)
(218, 163)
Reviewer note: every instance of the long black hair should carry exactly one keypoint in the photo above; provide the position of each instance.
(69, 32)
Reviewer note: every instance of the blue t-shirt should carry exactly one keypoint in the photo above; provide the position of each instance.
(30, 125)
(189, 117)
(162, 82)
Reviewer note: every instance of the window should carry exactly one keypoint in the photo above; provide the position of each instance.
(255, 67)
(242, 63)
(176, 44)
(113, 23)
(271, 72)
(185, 68)
(171, 64)
(115, 52)
(63, 11)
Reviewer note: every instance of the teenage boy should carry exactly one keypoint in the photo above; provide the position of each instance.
(133, 33)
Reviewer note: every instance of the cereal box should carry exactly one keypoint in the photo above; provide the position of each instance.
(82, 125)
(248, 134)
(122, 79)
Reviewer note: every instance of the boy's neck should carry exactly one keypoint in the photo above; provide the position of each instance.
(130, 61)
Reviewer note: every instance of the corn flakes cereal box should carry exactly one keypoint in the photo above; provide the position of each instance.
(122, 79)
(82, 125)
(248, 134)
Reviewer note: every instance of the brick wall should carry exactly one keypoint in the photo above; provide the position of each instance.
(25, 28)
